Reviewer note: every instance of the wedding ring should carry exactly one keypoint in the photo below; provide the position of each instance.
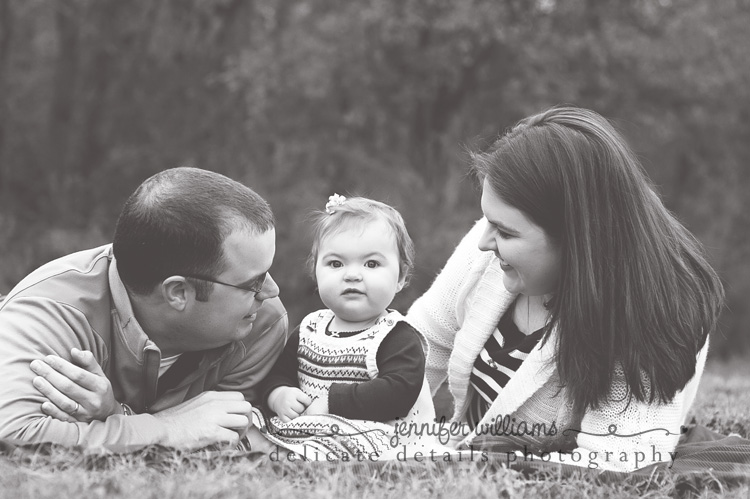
(78, 406)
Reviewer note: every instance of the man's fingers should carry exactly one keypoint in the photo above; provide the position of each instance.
(236, 422)
(230, 437)
(51, 409)
(241, 407)
(56, 387)
(56, 399)
(70, 371)
(85, 359)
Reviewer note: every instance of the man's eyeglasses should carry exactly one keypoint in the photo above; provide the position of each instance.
(255, 286)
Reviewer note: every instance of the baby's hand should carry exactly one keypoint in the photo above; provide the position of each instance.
(317, 406)
(288, 402)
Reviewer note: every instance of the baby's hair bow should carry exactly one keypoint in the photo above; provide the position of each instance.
(333, 202)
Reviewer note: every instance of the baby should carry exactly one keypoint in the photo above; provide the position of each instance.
(357, 358)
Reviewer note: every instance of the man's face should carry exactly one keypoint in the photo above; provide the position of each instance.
(229, 312)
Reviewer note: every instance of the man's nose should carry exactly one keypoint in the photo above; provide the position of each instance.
(270, 289)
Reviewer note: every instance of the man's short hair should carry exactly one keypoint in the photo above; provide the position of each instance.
(176, 222)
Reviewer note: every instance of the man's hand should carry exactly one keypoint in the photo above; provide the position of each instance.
(210, 418)
(288, 402)
(75, 392)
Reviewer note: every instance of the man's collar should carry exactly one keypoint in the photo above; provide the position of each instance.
(132, 333)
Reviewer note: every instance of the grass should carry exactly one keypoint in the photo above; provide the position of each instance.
(723, 404)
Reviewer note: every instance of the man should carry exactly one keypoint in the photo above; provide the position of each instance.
(159, 338)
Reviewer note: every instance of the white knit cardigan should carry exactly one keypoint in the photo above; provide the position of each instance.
(461, 310)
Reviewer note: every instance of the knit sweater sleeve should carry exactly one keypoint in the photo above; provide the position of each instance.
(439, 313)
(394, 391)
(625, 436)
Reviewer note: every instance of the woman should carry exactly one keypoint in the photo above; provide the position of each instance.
(574, 317)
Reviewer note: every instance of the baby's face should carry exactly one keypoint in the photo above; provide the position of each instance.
(358, 272)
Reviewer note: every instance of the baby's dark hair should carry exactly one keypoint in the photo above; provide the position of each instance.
(356, 211)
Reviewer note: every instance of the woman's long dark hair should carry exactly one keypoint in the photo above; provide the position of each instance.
(635, 288)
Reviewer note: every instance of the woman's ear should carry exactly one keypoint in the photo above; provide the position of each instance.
(177, 292)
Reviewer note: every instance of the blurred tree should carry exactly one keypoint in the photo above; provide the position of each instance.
(303, 98)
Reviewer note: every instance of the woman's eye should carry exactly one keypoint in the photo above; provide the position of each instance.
(371, 264)
(503, 234)
(500, 232)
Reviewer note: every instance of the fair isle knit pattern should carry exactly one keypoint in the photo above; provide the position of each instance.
(326, 437)
(324, 359)
(460, 311)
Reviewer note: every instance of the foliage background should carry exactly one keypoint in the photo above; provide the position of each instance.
(301, 98)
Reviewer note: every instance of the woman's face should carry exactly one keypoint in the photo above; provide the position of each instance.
(528, 257)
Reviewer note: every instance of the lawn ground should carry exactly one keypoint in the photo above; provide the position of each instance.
(722, 404)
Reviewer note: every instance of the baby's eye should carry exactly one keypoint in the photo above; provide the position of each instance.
(335, 264)
(371, 264)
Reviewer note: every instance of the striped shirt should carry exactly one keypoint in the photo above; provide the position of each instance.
(497, 362)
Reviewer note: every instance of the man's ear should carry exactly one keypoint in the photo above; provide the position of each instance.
(177, 292)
